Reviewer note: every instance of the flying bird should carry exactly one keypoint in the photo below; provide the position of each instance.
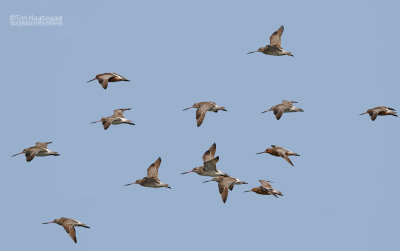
(380, 111)
(69, 225)
(274, 48)
(204, 107)
(209, 167)
(151, 180)
(285, 106)
(116, 119)
(40, 149)
(280, 152)
(225, 183)
(266, 189)
(108, 77)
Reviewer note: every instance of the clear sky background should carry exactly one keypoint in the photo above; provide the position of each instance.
(342, 193)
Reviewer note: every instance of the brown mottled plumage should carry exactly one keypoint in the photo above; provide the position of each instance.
(209, 167)
(225, 183)
(40, 149)
(116, 119)
(69, 225)
(380, 111)
(151, 180)
(266, 189)
(280, 152)
(204, 107)
(274, 48)
(104, 78)
(285, 106)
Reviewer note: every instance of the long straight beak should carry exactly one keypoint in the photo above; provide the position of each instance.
(206, 181)
(95, 121)
(187, 108)
(91, 80)
(363, 113)
(260, 153)
(48, 222)
(251, 52)
(247, 191)
(17, 154)
(187, 172)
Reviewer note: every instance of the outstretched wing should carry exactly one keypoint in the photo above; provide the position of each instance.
(278, 112)
(374, 114)
(209, 154)
(119, 113)
(107, 122)
(71, 231)
(103, 79)
(275, 38)
(211, 165)
(31, 153)
(282, 153)
(201, 113)
(152, 171)
(42, 144)
(265, 184)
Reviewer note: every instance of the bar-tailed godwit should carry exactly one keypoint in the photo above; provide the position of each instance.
(225, 183)
(40, 149)
(69, 225)
(204, 107)
(116, 119)
(380, 111)
(280, 152)
(151, 180)
(285, 106)
(266, 189)
(209, 167)
(274, 48)
(104, 78)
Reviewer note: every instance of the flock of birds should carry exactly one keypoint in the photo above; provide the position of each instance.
(209, 167)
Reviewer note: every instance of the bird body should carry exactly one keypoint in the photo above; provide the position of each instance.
(151, 180)
(40, 149)
(266, 189)
(274, 48)
(202, 108)
(69, 226)
(104, 78)
(209, 167)
(284, 107)
(280, 152)
(116, 119)
(225, 183)
(380, 111)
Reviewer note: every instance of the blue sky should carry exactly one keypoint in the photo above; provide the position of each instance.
(341, 194)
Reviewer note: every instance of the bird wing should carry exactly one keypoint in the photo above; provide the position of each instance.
(119, 113)
(278, 111)
(374, 114)
(288, 102)
(265, 184)
(31, 153)
(211, 165)
(223, 185)
(282, 153)
(107, 122)
(103, 79)
(71, 231)
(42, 144)
(201, 113)
(152, 171)
(209, 154)
(275, 38)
